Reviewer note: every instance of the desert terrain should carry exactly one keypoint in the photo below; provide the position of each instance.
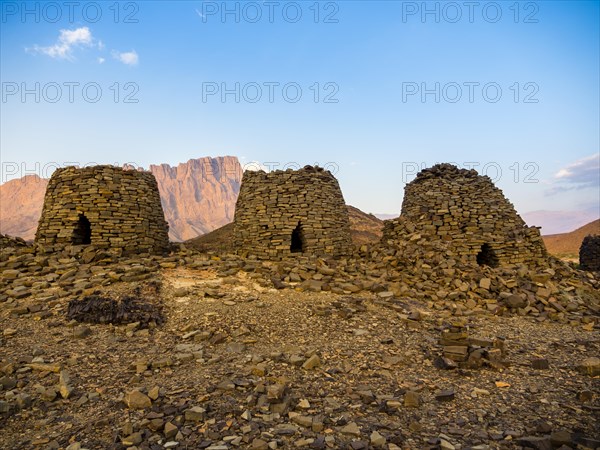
(227, 352)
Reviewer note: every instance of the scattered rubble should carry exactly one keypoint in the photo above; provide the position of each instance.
(362, 362)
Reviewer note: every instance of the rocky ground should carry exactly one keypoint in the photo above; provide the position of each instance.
(304, 354)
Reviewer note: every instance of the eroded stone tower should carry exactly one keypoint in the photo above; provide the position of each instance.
(283, 213)
(103, 206)
(589, 253)
(462, 215)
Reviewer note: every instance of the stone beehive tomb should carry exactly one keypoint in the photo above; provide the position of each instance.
(589, 253)
(104, 206)
(283, 213)
(462, 214)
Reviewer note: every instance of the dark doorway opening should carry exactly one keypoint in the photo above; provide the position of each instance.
(487, 256)
(297, 245)
(82, 234)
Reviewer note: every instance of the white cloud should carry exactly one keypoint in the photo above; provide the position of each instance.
(586, 168)
(78, 36)
(129, 58)
(581, 174)
(67, 41)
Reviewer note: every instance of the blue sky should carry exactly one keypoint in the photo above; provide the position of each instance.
(531, 68)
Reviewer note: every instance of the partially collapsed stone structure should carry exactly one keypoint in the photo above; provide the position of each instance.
(458, 214)
(282, 213)
(589, 253)
(104, 206)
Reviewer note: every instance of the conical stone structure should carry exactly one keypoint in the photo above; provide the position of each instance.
(462, 214)
(103, 206)
(291, 212)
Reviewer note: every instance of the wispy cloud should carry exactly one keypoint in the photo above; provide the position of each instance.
(70, 40)
(581, 174)
(129, 58)
(67, 41)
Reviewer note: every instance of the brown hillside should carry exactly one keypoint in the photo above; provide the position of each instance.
(567, 244)
(364, 228)
(219, 240)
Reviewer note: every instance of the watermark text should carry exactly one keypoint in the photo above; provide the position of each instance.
(210, 169)
(71, 12)
(518, 172)
(469, 92)
(471, 12)
(69, 92)
(269, 92)
(269, 12)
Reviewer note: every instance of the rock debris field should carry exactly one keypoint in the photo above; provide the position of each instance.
(222, 352)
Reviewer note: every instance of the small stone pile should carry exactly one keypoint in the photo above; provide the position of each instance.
(456, 213)
(461, 350)
(104, 206)
(290, 212)
(11, 242)
(129, 309)
(589, 253)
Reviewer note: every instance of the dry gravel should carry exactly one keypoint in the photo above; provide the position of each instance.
(228, 345)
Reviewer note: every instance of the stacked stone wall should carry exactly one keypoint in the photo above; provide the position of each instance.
(103, 206)
(464, 214)
(282, 213)
(589, 253)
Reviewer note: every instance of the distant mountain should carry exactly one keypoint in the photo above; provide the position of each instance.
(567, 244)
(554, 222)
(197, 197)
(21, 204)
(386, 216)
